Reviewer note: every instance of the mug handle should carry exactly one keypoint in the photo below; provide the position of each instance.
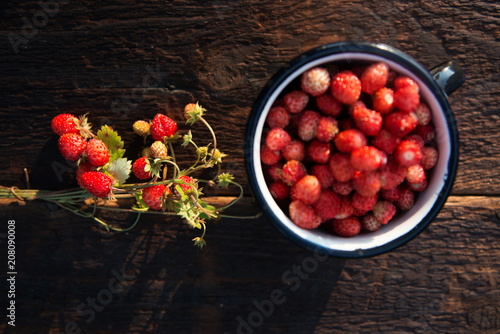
(449, 75)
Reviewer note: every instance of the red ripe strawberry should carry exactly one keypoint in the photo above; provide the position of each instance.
(424, 114)
(340, 167)
(370, 223)
(386, 141)
(349, 140)
(328, 105)
(415, 174)
(346, 208)
(328, 205)
(319, 151)
(355, 105)
(327, 129)
(83, 168)
(268, 156)
(364, 203)
(342, 188)
(367, 183)
(400, 123)
(406, 198)
(407, 98)
(366, 158)
(279, 190)
(308, 125)
(64, 123)
(303, 215)
(315, 81)
(278, 117)
(418, 186)
(392, 175)
(322, 173)
(346, 87)
(383, 100)
(417, 139)
(295, 101)
(162, 126)
(72, 146)
(407, 153)
(367, 120)
(97, 152)
(277, 139)
(391, 195)
(384, 211)
(274, 171)
(97, 183)
(187, 185)
(347, 227)
(295, 150)
(374, 77)
(306, 190)
(153, 196)
(138, 168)
(429, 157)
(402, 82)
(427, 132)
(292, 172)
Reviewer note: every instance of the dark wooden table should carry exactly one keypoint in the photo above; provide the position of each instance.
(120, 61)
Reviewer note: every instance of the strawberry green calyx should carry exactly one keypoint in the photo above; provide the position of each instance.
(84, 127)
(192, 112)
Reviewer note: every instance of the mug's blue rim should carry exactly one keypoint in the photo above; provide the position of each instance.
(378, 49)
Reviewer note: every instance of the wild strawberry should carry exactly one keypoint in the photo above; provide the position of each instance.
(295, 150)
(349, 140)
(277, 139)
(278, 117)
(303, 215)
(340, 167)
(322, 173)
(97, 152)
(402, 82)
(292, 172)
(366, 158)
(139, 168)
(427, 132)
(187, 184)
(391, 195)
(153, 196)
(365, 203)
(315, 81)
(347, 227)
(415, 174)
(383, 100)
(327, 129)
(319, 151)
(64, 123)
(268, 156)
(384, 211)
(406, 198)
(328, 205)
(141, 128)
(424, 114)
(407, 153)
(159, 150)
(72, 146)
(308, 125)
(418, 187)
(374, 77)
(354, 106)
(370, 223)
(306, 190)
(162, 127)
(400, 123)
(274, 171)
(346, 87)
(367, 183)
(429, 157)
(342, 188)
(386, 141)
(407, 98)
(83, 168)
(328, 105)
(97, 183)
(367, 120)
(346, 208)
(392, 175)
(417, 139)
(295, 101)
(279, 190)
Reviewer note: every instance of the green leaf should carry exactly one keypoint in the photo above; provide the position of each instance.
(120, 170)
(113, 141)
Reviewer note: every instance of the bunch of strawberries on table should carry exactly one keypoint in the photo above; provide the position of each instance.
(347, 148)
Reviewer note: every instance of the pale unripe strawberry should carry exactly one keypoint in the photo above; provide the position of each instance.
(141, 128)
(159, 150)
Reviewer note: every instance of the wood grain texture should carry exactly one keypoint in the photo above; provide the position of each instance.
(125, 60)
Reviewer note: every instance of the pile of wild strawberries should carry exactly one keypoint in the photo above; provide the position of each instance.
(346, 148)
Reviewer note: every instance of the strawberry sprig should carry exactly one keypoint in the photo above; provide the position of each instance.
(163, 187)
